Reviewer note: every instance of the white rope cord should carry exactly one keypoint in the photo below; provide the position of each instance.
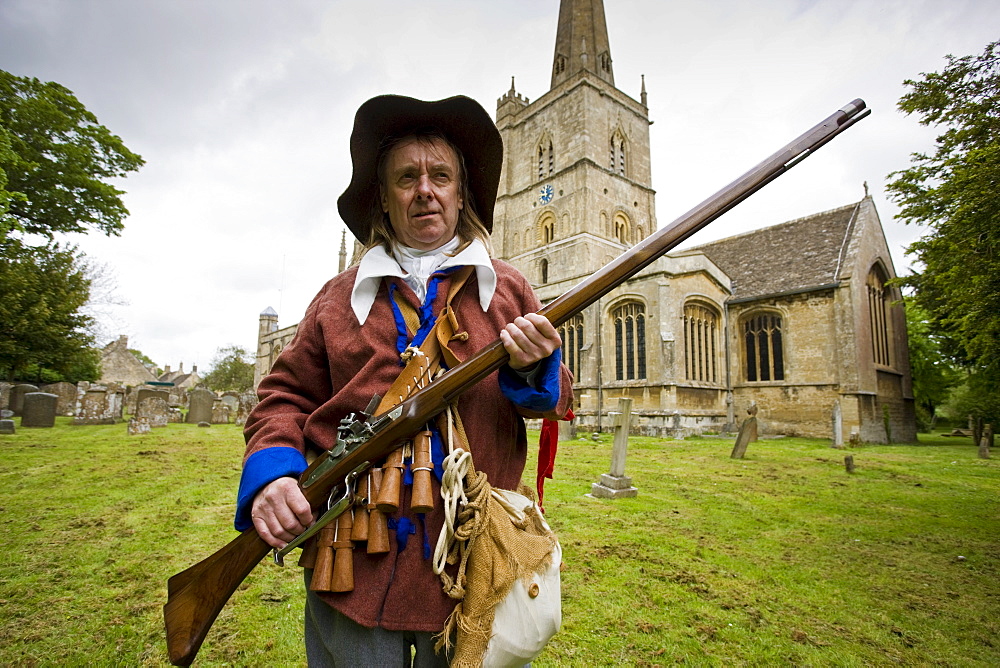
(456, 466)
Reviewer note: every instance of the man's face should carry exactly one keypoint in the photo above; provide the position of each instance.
(421, 192)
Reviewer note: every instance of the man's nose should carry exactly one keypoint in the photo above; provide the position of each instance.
(424, 189)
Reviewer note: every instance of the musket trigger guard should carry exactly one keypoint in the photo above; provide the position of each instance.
(334, 509)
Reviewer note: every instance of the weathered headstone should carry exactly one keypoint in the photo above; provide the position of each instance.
(231, 399)
(154, 409)
(248, 400)
(838, 425)
(39, 410)
(17, 397)
(66, 393)
(98, 404)
(5, 389)
(849, 463)
(615, 484)
(855, 436)
(747, 433)
(200, 406)
(986, 442)
(6, 426)
(220, 412)
(137, 426)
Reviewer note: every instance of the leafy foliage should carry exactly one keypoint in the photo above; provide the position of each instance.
(43, 330)
(933, 373)
(232, 369)
(56, 160)
(954, 193)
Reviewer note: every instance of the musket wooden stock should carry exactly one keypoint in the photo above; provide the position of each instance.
(195, 596)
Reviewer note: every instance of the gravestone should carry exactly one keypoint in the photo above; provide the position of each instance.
(154, 409)
(615, 484)
(66, 403)
(986, 441)
(6, 426)
(98, 404)
(200, 406)
(248, 401)
(231, 399)
(17, 397)
(5, 389)
(137, 426)
(220, 412)
(39, 410)
(838, 425)
(747, 433)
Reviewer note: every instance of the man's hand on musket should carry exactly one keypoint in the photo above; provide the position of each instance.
(529, 339)
(280, 512)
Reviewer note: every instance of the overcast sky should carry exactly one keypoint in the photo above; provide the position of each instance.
(242, 110)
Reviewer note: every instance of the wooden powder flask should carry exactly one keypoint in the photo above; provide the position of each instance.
(323, 571)
(307, 559)
(422, 500)
(392, 482)
(359, 534)
(343, 547)
(378, 526)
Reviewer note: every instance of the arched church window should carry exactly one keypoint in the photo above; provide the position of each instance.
(701, 342)
(617, 163)
(630, 341)
(623, 228)
(544, 266)
(879, 298)
(572, 348)
(547, 228)
(763, 346)
(605, 61)
(546, 158)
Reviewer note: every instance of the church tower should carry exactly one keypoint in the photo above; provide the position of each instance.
(575, 190)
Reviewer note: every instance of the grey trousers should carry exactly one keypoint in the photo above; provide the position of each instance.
(335, 641)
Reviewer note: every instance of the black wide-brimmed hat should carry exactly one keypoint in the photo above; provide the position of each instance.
(460, 119)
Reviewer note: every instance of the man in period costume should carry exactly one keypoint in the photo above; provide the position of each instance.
(421, 200)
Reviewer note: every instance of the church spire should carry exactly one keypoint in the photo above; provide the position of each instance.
(582, 41)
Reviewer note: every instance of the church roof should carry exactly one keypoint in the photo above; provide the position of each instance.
(796, 256)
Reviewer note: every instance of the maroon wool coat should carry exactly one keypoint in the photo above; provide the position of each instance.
(334, 365)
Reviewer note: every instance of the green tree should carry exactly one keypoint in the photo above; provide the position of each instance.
(56, 160)
(954, 192)
(43, 331)
(933, 373)
(56, 163)
(232, 369)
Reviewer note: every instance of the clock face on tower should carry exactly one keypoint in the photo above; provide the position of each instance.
(545, 194)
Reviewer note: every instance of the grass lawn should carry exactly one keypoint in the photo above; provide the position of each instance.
(782, 558)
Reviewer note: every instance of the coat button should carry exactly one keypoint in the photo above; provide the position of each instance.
(533, 590)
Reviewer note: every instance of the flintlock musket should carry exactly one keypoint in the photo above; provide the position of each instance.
(196, 596)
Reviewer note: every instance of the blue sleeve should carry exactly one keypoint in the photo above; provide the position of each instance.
(540, 396)
(261, 468)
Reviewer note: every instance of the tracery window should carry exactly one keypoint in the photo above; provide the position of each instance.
(701, 337)
(630, 341)
(617, 153)
(763, 345)
(572, 338)
(546, 159)
(878, 308)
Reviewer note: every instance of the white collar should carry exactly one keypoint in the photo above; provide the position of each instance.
(377, 264)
